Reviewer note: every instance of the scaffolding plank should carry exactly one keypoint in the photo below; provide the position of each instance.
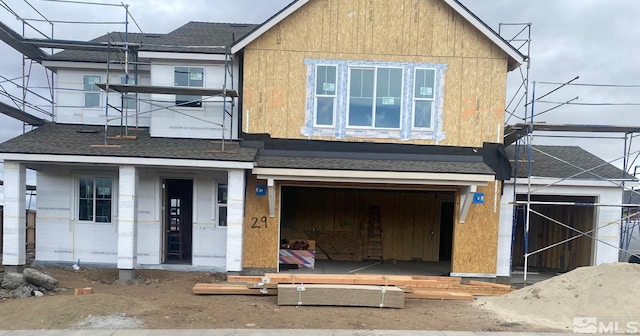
(173, 90)
(21, 115)
(229, 289)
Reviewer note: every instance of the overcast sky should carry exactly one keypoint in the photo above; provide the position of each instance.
(594, 39)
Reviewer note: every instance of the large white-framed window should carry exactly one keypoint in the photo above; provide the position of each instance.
(221, 203)
(385, 100)
(325, 95)
(189, 77)
(95, 199)
(91, 91)
(423, 98)
(375, 97)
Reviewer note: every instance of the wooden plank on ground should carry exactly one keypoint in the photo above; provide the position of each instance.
(230, 289)
(340, 295)
(487, 284)
(438, 295)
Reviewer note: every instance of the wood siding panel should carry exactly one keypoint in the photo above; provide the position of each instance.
(475, 241)
(260, 243)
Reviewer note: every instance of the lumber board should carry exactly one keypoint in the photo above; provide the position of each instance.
(475, 291)
(340, 295)
(487, 284)
(230, 289)
(439, 295)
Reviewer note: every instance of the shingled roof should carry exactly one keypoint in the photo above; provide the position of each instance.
(193, 37)
(563, 162)
(63, 139)
(338, 155)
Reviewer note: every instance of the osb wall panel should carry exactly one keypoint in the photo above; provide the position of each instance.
(338, 219)
(475, 241)
(260, 240)
(376, 30)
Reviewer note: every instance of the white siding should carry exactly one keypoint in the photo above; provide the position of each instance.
(193, 122)
(62, 238)
(70, 99)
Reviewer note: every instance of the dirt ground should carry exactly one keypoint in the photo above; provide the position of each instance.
(163, 299)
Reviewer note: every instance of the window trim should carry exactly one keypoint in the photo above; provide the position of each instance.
(194, 101)
(406, 130)
(112, 199)
(375, 97)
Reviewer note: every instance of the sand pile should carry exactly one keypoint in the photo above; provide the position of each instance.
(604, 291)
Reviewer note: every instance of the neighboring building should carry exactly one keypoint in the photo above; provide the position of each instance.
(161, 186)
(353, 114)
(569, 188)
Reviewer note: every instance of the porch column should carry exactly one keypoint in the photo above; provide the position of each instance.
(127, 222)
(235, 216)
(505, 232)
(14, 235)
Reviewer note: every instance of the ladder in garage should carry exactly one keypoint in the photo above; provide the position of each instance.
(374, 238)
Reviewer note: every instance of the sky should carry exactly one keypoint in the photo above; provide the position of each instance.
(596, 40)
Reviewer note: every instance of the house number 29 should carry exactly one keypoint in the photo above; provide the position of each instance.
(259, 223)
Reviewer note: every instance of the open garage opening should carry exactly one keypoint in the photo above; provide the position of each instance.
(551, 224)
(367, 230)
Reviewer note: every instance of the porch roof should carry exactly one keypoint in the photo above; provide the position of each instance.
(65, 143)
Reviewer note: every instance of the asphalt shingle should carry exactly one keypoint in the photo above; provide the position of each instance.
(563, 162)
(63, 139)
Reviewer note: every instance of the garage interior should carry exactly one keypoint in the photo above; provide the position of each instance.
(371, 230)
(544, 232)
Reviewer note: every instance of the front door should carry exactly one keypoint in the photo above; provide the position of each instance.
(178, 223)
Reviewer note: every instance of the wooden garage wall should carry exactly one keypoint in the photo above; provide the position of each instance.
(425, 31)
(544, 232)
(338, 220)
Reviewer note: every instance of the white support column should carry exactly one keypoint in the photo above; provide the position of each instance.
(505, 232)
(14, 231)
(466, 198)
(235, 217)
(127, 221)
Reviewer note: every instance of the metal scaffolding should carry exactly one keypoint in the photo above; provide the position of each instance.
(122, 55)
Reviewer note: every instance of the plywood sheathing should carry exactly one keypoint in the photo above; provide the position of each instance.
(260, 242)
(475, 241)
(337, 219)
(372, 30)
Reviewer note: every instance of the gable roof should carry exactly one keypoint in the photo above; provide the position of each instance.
(563, 162)
(192, 37)
(515, 57)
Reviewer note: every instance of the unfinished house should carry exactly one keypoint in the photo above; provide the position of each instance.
(382, 126)
(141, 164)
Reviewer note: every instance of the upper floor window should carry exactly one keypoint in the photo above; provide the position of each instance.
(189, 77)
(129, 100)
(94, 199)
(222, 204)
(374, 100)
(91, 91)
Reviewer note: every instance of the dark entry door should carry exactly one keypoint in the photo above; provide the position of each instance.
(178, 220)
